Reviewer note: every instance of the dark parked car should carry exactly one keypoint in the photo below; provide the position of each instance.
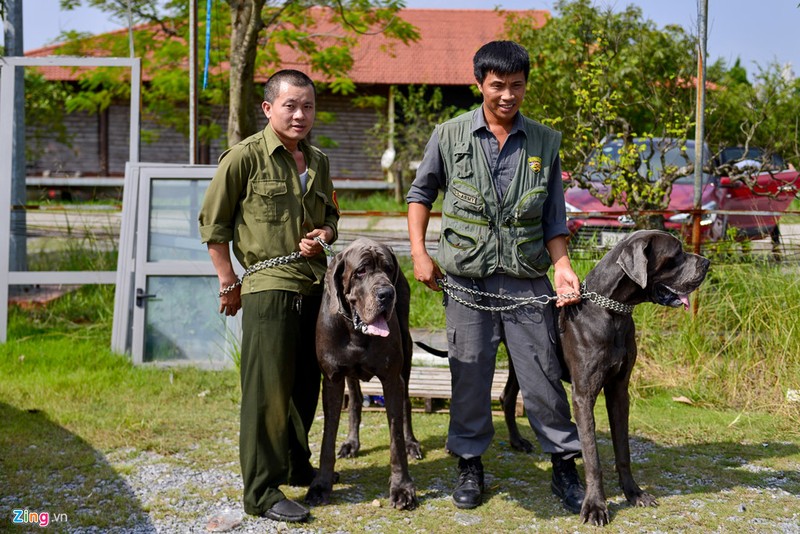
(771, 186)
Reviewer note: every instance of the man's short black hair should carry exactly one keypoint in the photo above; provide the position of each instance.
(502, 58)
(290, 76)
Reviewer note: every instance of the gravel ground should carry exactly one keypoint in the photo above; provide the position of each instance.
(174, 498)
(171, 495)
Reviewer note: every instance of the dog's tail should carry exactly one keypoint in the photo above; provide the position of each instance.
(428, 348)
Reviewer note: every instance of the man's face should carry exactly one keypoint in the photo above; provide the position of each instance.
(291, 113)
(502, 96)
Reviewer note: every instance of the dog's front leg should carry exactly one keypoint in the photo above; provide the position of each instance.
(594, 509)
(332, 397)
(402, 494)
(351, 446)
(617, 404)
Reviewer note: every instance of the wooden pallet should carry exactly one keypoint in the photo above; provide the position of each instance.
(430, 383)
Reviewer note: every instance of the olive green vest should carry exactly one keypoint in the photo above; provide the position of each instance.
(478, 236)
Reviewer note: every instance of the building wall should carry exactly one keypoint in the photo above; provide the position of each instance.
(349, 158)
(57, 159)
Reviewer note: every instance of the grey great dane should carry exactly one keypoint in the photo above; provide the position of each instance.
(598, 338)
(598, 345)
(362, 332)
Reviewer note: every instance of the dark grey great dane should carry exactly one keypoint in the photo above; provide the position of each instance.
(598, 339)
(362, 331)
(598, 344)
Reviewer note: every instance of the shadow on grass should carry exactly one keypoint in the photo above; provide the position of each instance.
(45, 469)
(722, 473)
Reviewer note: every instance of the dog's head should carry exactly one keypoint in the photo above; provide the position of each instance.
(661, 271)
(360, 282)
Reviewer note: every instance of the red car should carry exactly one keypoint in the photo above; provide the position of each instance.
(774, 185)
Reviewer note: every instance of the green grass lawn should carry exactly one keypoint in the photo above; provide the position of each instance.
(80, 423)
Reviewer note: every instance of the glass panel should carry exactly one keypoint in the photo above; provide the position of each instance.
(69, 237)
(182, 322)
(173, 231)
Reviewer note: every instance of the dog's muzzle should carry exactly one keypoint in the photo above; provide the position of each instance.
(666, 296)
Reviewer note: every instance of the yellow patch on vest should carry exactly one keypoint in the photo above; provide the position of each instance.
(535, 163)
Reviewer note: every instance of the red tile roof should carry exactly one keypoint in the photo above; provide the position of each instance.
(442, 55)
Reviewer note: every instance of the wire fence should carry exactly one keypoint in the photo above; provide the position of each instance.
(47, 228)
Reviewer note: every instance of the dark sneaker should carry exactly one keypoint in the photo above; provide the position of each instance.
(566, 484)
(287, 510)
(470, 483)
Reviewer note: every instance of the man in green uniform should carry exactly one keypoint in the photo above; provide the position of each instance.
(272, 195)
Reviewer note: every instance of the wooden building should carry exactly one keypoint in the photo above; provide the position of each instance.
(441, 57)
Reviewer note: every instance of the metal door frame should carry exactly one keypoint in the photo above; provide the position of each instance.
(7, 88)
(142, 266)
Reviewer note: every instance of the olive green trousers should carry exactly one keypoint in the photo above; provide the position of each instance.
(280, 381)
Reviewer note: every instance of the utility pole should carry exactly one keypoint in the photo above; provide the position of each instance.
(699, 132)
(18, 260)
(700, 111)
(193, 82)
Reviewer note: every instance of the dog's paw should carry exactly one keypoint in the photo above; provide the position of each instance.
(521, 444)
(413, 449)
(318, 495)
(349, 449)
(594, 513)
(642, 499)
(403, 496)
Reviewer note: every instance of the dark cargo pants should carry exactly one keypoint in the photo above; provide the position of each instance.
(529, 335)
(280, 381)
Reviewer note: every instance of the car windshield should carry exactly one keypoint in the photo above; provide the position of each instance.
(736, 154)
(660, 153)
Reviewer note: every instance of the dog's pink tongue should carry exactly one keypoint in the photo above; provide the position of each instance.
(685, 300)
(379, 327)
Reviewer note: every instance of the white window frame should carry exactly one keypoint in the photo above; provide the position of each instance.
(7, 89)
(134, 267)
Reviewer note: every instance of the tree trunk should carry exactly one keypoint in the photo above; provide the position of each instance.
(246, 24)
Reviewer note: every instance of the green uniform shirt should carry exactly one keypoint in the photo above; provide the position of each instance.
(256, 200)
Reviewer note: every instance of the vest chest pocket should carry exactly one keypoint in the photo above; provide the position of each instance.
(530, 206)
(466, 200)
(462, 160)
(271, 201)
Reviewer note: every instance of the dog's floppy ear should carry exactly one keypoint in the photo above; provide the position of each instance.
(334, 283)
(633, 261)
(398, 272)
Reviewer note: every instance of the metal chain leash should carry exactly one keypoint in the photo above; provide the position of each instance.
(518, 302)
(606, 302)
(274, 262)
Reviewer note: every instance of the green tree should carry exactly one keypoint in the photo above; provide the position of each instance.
(598, 75)
(646, 71)
(764, 113)
(417, 110)
(247, 37)
(45, 122)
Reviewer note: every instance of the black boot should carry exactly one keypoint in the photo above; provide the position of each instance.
(566, 484)
(470, 483)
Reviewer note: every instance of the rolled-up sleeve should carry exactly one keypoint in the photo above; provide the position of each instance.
(554, 212)
(430, 176)
(221, 201)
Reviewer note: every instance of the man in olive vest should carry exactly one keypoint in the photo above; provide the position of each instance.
(503, 225)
